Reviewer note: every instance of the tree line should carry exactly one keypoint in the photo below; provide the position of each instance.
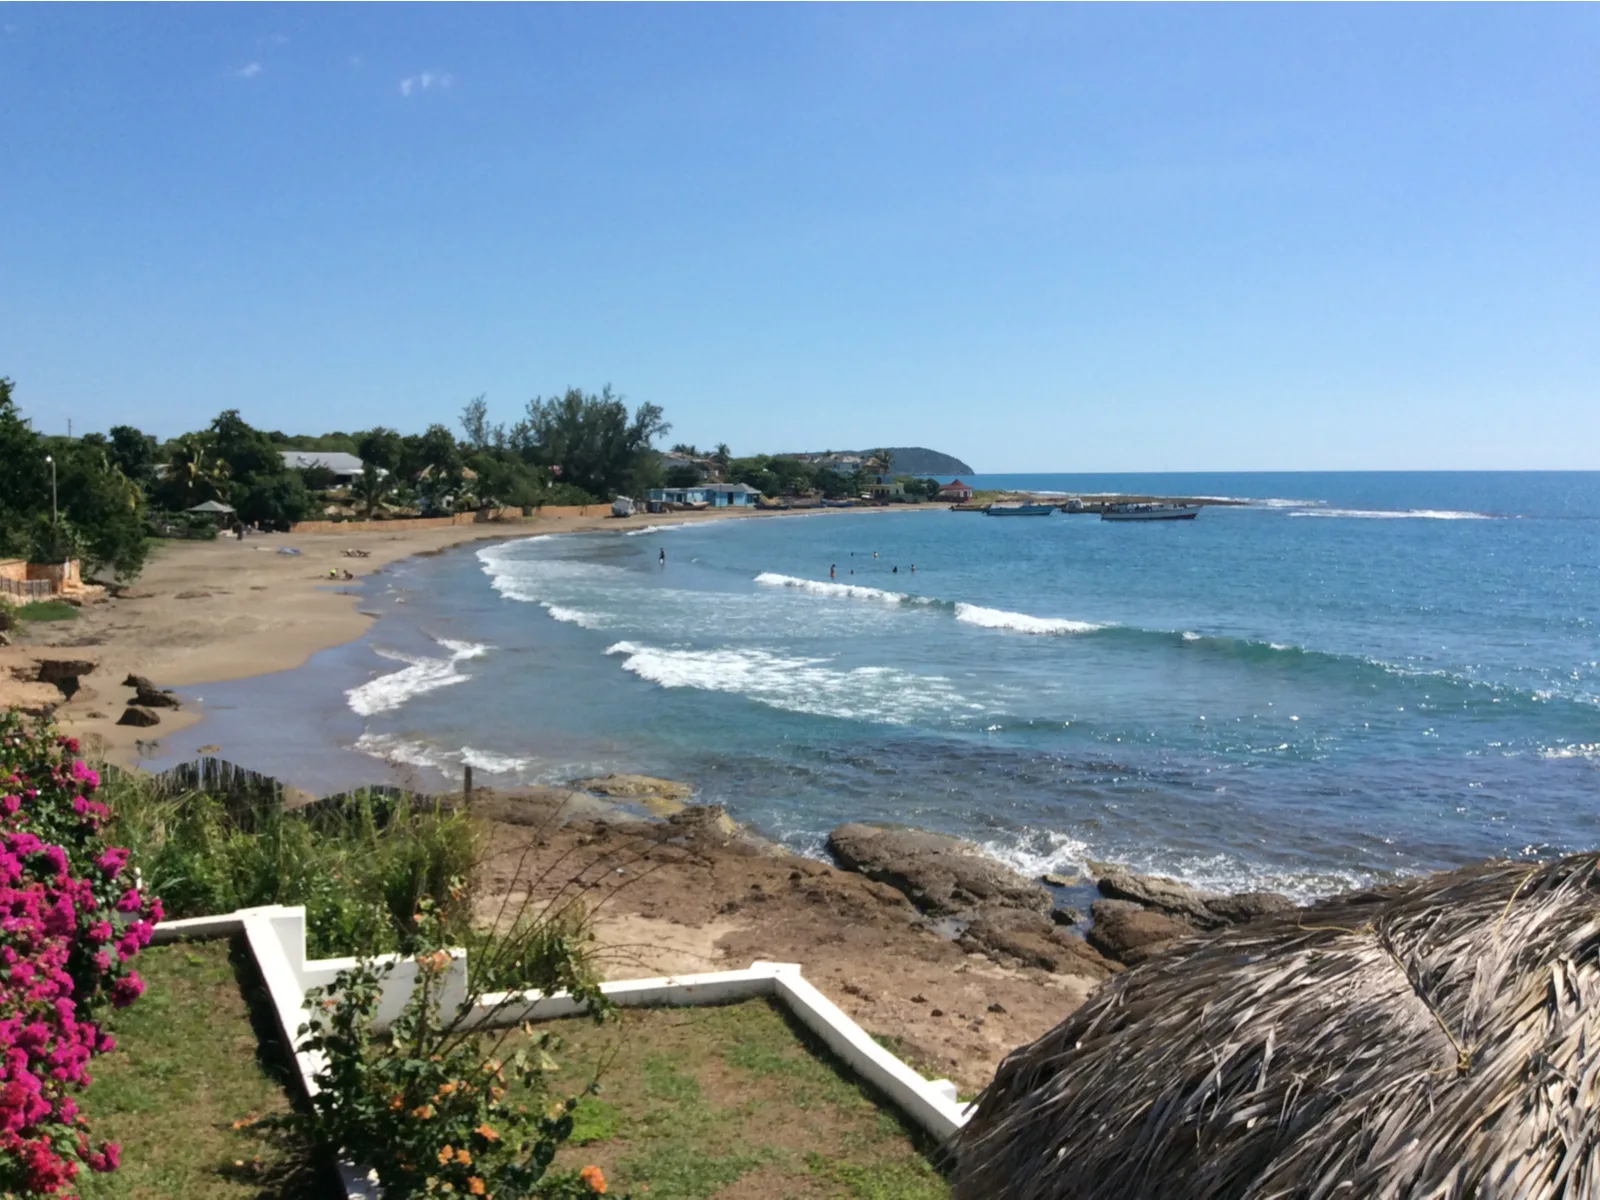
(102, 496)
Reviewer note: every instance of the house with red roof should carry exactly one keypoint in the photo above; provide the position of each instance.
(955, 490)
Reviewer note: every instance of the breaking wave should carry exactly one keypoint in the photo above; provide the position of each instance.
(1384, 514)
(994, 618)
(843, 591)
(420, 675)
(805, 685)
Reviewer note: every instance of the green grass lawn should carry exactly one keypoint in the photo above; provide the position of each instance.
(736, 1101)
(47, 610)
(193, 1056)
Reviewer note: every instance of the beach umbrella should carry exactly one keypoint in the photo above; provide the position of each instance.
(1439, 1038)
(211, 506)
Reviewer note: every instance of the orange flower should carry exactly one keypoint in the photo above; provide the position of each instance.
(425, 1112)
(595, 1178)
(446, 1088)
(487, 1133)
(446, 1155)
(464, 1157)
(474, 1185)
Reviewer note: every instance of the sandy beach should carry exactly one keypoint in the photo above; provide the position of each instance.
(203, 612)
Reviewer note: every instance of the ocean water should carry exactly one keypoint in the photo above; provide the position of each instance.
(1352, 678)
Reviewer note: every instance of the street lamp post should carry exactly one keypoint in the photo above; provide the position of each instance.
(51, 459)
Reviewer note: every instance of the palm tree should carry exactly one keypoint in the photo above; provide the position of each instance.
(722, 456)
(196, 471)
(371, 488)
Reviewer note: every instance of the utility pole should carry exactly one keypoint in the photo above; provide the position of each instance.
(51, 459)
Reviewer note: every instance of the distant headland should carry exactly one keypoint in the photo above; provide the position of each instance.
(907, 460)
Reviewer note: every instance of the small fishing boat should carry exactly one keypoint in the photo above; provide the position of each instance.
(1150, 512)
(1020, 510)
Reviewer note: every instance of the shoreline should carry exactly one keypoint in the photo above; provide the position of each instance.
(225, 610)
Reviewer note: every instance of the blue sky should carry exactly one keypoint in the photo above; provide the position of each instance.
(1088, 238)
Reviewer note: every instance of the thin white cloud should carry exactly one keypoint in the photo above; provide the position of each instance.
(273, 40)
(427, 81)
(248, 71)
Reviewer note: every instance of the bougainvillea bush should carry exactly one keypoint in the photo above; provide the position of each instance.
(72, 917)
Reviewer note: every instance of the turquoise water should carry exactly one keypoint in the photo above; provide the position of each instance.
(1353, 677)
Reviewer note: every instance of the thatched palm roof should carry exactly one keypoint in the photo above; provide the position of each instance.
(1436, 1039)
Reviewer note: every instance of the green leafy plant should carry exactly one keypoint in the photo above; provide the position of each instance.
(433, 1108)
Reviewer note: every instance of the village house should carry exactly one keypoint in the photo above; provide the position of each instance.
(705, 495)
(346, 468)
(955, 490)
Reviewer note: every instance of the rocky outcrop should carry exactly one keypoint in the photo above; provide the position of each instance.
(1159, 893)
(941, 875)
(64, 673)
(148, 695)
(989, 907)
(135, 715)
(662, 797)
(1142, 915)
(1035, 940)
(1130, 934)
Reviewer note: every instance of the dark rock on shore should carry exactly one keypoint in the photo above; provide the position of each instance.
(1035, 940)
(135, 715)
(1142, 915)
(1124, 931)
(941, 875)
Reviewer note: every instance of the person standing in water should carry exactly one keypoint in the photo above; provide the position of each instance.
(833, 571)
(663, 556)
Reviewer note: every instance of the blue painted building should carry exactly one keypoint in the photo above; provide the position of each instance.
(712, 495)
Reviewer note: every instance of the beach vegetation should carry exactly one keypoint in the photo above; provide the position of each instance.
(430, 1107)
(362, 868)
(77, 915)
(46, 610)
(591, 441)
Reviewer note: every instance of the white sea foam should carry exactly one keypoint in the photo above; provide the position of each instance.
(388, 692)
(574, 616)
(843, 591)
(1191, 636)
(807, 685)
(994, 618)
(656, 529)
(1385, 514)
(410, 753)
(494, 764)
(1590, 750)
(1038, 851)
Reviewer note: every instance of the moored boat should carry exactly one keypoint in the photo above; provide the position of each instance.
(1020, 510)
(1150, 512)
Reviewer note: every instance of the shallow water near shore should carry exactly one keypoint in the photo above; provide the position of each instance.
(1353, 677)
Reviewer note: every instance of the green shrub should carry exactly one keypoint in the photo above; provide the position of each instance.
(362, 871)
(47, 610)
(431, 1108)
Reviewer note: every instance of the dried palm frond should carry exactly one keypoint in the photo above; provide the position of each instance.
(1439, 1038)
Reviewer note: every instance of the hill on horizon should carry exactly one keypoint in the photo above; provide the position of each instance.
(915, 460)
